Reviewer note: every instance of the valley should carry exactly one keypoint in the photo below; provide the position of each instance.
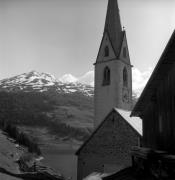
(59, 116)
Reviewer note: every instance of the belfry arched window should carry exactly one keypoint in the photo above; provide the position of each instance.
(106, 51)
(125, 77)
(106, 76)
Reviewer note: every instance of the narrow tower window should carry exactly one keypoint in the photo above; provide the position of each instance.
(106, 51)
(106, 76)
(125, 77)
(124, 52)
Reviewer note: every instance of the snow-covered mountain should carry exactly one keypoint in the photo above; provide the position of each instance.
(43, 82)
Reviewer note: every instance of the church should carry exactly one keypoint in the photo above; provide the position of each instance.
(155, 159)
(108, 148)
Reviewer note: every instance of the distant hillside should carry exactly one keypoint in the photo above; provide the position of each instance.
(61, 115)
(39, 100)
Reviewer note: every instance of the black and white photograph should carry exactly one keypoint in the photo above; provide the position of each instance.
(87, 89)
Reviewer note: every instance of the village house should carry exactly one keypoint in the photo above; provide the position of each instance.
(108, 148)
(156, 107)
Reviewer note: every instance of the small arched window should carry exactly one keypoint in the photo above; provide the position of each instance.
(106, 76)
(106, 51)
(124, 52)
(125, 77)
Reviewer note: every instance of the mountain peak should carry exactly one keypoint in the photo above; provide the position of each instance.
(35, 74)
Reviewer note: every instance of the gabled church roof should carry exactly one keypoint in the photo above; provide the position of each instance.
(164, 65)
(134, 122)
(113, 26)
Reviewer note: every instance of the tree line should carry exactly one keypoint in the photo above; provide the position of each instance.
(20, 137)
(31, 108)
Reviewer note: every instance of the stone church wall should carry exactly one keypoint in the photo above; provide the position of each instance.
(109, 147)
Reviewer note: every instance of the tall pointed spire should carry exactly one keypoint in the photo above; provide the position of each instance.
(113, 25)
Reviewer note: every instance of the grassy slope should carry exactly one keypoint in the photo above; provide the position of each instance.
(74, 116)
(8, 154)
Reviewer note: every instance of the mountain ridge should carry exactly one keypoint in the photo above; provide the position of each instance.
(43, 82)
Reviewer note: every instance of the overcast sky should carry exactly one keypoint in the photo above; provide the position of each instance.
(63, 36)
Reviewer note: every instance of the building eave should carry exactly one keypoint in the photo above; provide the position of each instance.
(162, 68)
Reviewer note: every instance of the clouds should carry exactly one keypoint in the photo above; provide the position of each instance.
(139, 79)
(68, 78)
(87, 78)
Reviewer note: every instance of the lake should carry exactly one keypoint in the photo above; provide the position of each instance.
(62, 160)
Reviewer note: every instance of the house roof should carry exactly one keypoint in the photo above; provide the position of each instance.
(134, 122)
(162, 68)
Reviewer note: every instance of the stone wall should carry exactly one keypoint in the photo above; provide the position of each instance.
(110, 145)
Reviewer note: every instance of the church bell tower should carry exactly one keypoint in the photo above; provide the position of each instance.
(113, 76)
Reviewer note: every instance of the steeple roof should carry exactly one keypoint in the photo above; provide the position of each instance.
(113, 26)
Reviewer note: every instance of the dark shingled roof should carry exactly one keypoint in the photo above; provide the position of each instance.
(162, 68)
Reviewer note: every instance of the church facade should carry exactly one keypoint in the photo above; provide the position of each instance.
(108, 148)
(113, 76)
